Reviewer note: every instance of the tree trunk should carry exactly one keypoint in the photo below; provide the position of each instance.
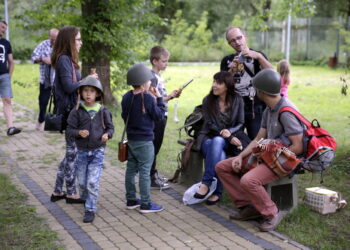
(102, 66)
(95, 53)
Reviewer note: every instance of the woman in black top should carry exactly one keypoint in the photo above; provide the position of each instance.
(222, 133)
(64, 60)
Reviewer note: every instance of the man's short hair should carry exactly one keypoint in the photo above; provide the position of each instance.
(156, 52)
(234, 27)
(4, 22)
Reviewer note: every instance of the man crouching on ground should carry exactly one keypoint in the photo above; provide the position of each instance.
(243, 182)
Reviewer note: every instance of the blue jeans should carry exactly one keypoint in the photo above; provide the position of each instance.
(213, 151)
(89, 167)
(140, 159)
(5, 86)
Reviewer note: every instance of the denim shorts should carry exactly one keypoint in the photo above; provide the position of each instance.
(5, 86)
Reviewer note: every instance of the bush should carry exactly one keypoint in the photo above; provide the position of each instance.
(22, 53)
(192, 43)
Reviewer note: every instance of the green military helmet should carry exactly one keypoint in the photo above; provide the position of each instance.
(138, 75)
(91, 81)
(268, 81)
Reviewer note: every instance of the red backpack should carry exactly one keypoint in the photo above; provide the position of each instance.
(320, 146)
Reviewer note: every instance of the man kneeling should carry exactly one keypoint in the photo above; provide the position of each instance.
(243, 182)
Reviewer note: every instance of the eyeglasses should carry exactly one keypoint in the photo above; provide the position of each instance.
(78, 39)
(235, 40)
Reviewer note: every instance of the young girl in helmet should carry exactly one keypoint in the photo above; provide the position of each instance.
(141, 108)
(90, 123)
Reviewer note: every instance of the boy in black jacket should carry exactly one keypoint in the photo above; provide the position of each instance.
(91, 124)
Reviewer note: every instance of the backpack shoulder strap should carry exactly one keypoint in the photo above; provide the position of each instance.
(250, 73)
(297, 114)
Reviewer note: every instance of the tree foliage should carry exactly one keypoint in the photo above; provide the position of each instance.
(191, 42)
(112, 31)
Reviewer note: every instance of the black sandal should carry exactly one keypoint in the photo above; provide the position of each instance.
(74, 200)
(211, 203)
(201, 196)
(55, 198)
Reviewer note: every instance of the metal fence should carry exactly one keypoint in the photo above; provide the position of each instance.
(311, 39)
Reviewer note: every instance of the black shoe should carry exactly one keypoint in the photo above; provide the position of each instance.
(246, 213)
(89, 217)
(160, 178)
(211, 203)
(201, 196)
(132, 204)
(74, 201)
(13, 131)
(157, 183)
(55, 198)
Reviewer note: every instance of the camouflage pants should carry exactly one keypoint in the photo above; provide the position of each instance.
(89, 168)
(67, 169)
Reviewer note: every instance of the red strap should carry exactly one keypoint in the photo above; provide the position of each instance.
(297, 114)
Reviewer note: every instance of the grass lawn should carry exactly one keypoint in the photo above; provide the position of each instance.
(19, 226)
(317, 93)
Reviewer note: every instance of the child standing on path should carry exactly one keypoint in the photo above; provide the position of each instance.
(283, 69)
(159, 58)
(90, 123)
(141, 109)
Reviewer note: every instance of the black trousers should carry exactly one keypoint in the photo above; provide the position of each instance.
(44, 96)
(253, 115)
(159, 128)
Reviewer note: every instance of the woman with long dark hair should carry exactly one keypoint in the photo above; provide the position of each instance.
(222, 132)
(65, 61)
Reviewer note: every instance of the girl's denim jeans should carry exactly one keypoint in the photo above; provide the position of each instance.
(140, 159)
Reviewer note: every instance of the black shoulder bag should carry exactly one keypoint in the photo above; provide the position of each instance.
(53, 122)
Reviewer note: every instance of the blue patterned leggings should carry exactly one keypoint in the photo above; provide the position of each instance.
(67, 169)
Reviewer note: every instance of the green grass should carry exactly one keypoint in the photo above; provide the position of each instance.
(25, 84)
(20, 228)
(315, 91)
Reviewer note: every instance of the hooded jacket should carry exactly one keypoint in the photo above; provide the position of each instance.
(79, 119)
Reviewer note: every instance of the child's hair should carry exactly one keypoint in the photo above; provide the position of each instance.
(283, 69)
(142, 98)
(156, 52)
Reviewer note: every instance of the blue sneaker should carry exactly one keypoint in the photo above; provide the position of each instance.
(132, 204)
(150, 208)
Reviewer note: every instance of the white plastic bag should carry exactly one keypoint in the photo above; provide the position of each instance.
(188, 198)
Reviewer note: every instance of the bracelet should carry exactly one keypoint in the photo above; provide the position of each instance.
(230, 137)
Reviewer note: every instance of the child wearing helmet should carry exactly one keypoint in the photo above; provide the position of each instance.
(90, 123)
(141, 108)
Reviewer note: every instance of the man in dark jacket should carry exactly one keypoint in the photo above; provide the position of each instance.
(245, 64)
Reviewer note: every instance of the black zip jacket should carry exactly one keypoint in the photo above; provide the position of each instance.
(79, 119)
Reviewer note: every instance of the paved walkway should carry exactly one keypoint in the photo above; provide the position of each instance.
(32, 158)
